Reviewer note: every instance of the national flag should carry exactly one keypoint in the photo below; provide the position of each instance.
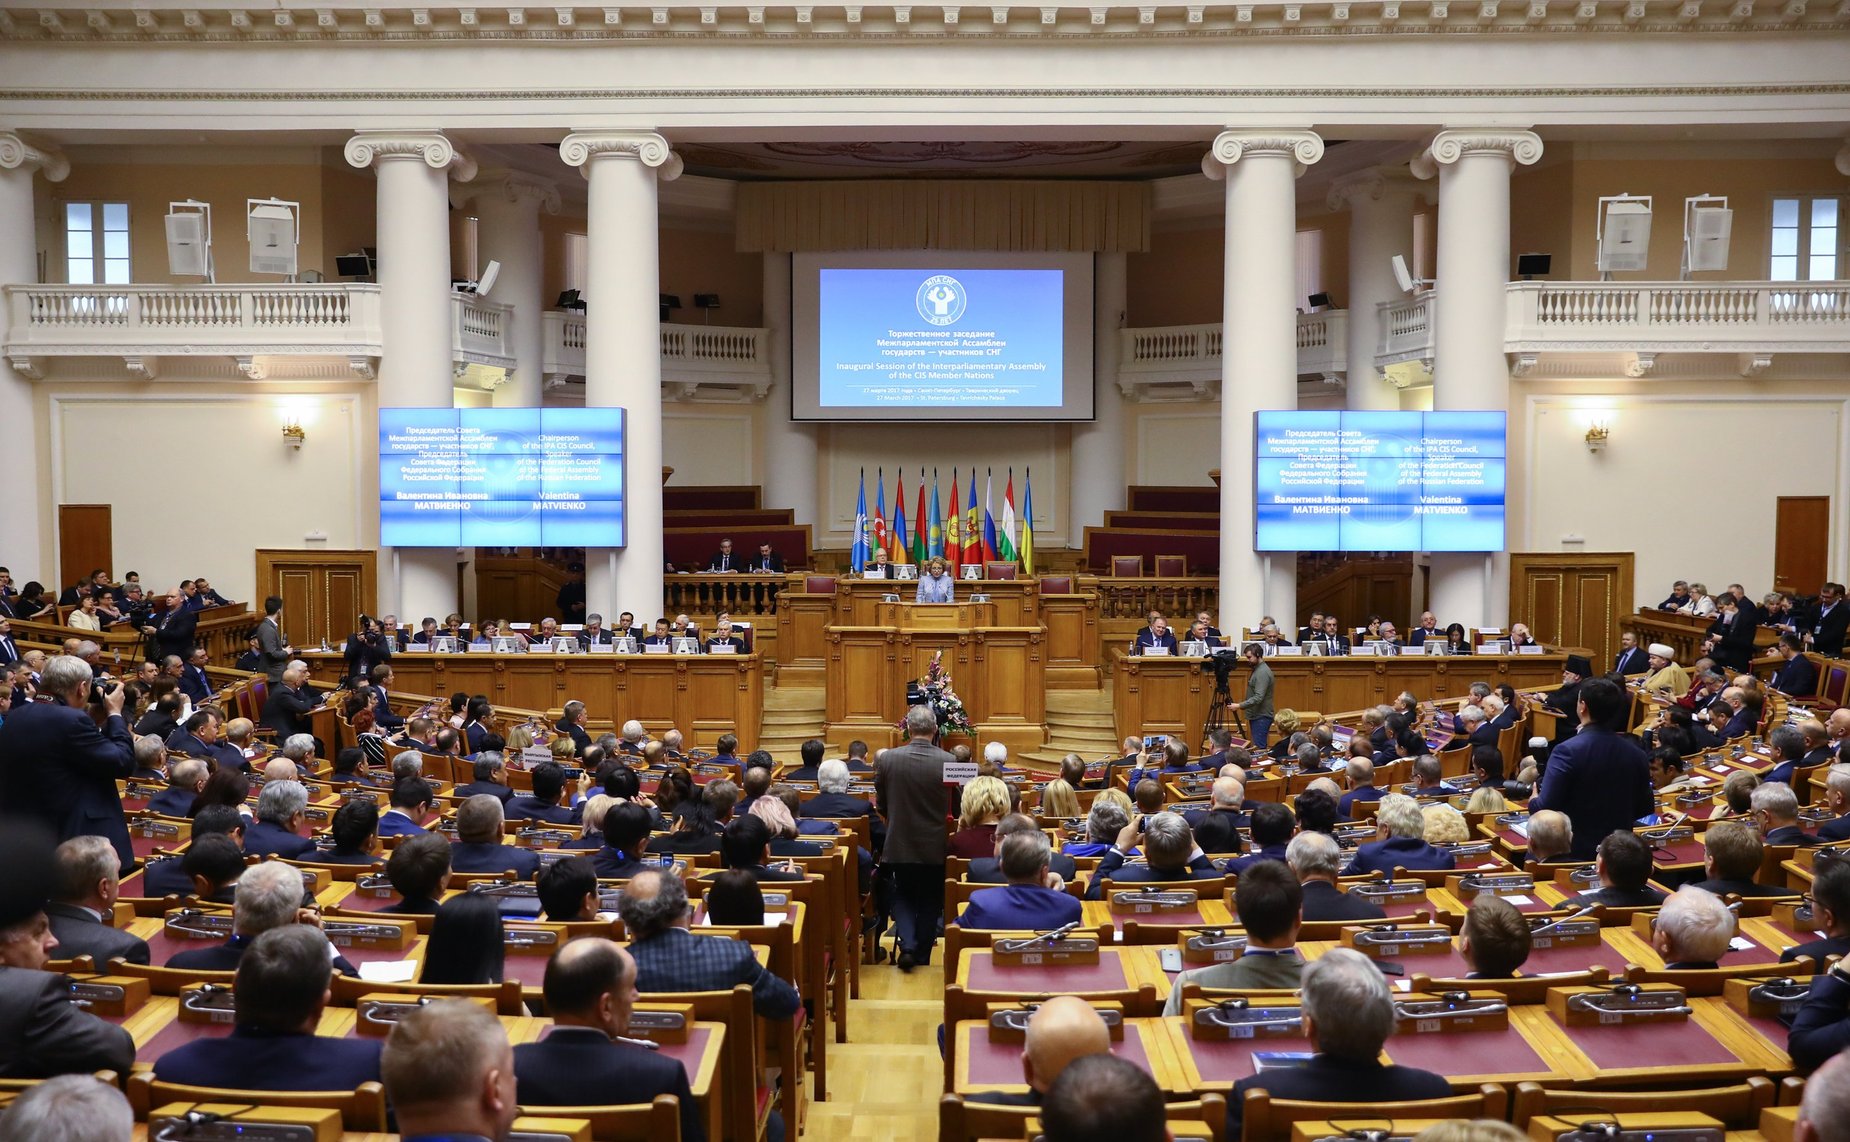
(919, 545)
(934, 546)
(900, 550)
(1005, 538)
(973, 532)
(990, 550)
(857, 554)
(1027, 521)
(954, 532)
(879, 537)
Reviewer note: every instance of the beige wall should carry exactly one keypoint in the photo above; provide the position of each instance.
(1178, 282)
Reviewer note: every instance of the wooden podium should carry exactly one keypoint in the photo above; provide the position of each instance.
(998, 670)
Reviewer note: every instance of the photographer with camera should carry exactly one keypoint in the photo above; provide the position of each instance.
(366, 648)
(58, 767)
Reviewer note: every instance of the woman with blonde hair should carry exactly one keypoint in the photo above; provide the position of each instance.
(1119, 798)
(1484, 799)
(1058, 799)
(1444, 824)
(985, 802)
(519, 738)
(596, 809)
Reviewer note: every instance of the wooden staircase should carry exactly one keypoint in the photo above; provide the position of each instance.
(1078, 721)
(792, 715)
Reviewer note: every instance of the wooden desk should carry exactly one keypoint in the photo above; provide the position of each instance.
(702, 695)
(1209, 913)
(700, 1056)
(1172, 695)
(998, 670)
(1683, 633)
(1119, 969)
(985, 1066)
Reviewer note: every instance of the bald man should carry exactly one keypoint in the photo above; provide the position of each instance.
(1062, 1029)
(1551, 836)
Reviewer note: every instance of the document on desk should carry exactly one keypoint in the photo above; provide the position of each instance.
(389, 971)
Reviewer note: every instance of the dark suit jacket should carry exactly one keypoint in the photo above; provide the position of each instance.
(225, 957)
(1324, 1079)
(1146, 639)
(1743, 888)
(1359, 793)
(1741, 723)
(1633, 661)
(9, 649)
(836, 805)
(286, 711)
(194, 684)
(1820, 1029)
(1736, 642)
(42, 1034)
(909, 785)
(988, 870)
(1219, 830)
(1790, 835)
(1019, 906)
(1111, 866)
(1601, 781)
(485, 788)
(173, 634)
(81, 934)
(581, 741)
(615, 864)
(1798, 678)
(679, 960)
(250, 1059)
(1829, 631)
(527, 807)
(58, 768)
(266, 839)
(1324, 901)
(398, 825)
(171, 802)
(1398, 852)
(270, 649)
(574, 1064)
(470, 856)
(1836, 829)
(1620, 898)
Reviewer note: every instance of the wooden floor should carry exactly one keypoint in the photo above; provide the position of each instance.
(885, 1081)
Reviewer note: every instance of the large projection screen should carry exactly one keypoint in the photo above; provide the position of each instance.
(1379, 481)
(941, 335)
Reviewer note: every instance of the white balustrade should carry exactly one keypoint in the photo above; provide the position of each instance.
(1405, 328)
(478, 332)
(699, 362)
(1671, 317)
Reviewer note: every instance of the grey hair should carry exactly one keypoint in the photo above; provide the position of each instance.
(148, 751)
(184, 772)
(1025, 854)
(1426, 767)
(993, 751)
(281, 800)
(1400, 816)
(832, 776)
(63, 674)
(479, 819)
(1327, 785)
(1309, 755)
(651, 916)
(1167, 838)
(574, 708)
(1777, 798)
(268, 896)
(299, 747)
(1314, 854)
(1826, 1104)
(1346, 996)
(633, 731)
(672, 739)
(1838, 778)
(1697, 923)
(1789, 741)
(86, 648)
(1472, 714)
(921, 722)
(82, 862)
(1555, 829)
(1105, 821)
(1480, 689)
(69, 1108)
(1228, 792)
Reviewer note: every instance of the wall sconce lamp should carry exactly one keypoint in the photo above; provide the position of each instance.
(1597, 434)
(293, 435)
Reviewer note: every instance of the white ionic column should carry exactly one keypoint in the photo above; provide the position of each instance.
(790, 460)
(1381, 205)
(623, 349)
(1098, 448)
(1259, 359)
(413, 228)
(507, 209)
(26, 550)
(1469, 369)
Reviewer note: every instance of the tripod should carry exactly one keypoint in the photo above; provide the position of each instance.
(1221, 702)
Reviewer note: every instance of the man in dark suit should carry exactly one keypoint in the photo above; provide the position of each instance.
(411, 800)
(1731, 853)
(724, 559)
(594, 633)
(1061, 1030)
(811, 751)
(909, 790)
(1564, 700)
(1837, 800)
(366, 648)
(273, 650)
(478, 846)
(1730, 639)
(1830, 914)
(572, 724)
(1832, 622)
(746, 846)
(282, 987)
(1032, 900)
(1787, 745)
(1631, 658)
(1218, 830)
(186, 776)
(281, 809)
(1272, 827)
(83, 904)
(590, 988)
(172, 632)
(1400, 843)
(194, 682)
(1428, 628)
(42, 1033)
(269, 896)
(57, 767)
(767, 561)
(1348, 1013)
(490, 779)
(988, 870)
(1104, 1097)
(9, 648)
(1599, 777)
(543, 803)
(1169, 852)
(287, 708)
(1359, 772)
(383, 717)
(1317, 860)
(1796, 675)
(1156, 635)
(1624, 867)
(723, 637)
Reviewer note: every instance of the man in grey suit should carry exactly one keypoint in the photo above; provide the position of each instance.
(273, 651)
(83, 898)
(910, 792)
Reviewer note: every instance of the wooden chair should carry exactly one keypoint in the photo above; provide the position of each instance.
(1738, 1107)
(1521, 989)
(1127, 566)
(658, 1121)
(1697, 982)
(348, 991)
(1171, 566)
(1056, 584)
(745, 1101)
(960, 1121)
(1266, 1119)
(819, 584)
(169, 981)
(361, 1109)
(1001, 569)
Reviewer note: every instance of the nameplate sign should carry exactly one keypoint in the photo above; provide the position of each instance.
(959, 772)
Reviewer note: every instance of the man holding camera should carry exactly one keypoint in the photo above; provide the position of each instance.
(366, 648)
(58, 767)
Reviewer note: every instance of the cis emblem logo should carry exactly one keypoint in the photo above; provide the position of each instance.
(941, 299)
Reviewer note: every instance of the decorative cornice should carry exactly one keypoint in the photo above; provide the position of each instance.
(1450, 146)
(16, 154)
(436, 151)
(1230, 146)
(646, 147)
(1372, 185)
(518, 186)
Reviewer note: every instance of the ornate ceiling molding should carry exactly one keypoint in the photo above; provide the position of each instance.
(430, 147)
(18, 154)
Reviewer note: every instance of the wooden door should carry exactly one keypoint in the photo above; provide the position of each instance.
(1573, 599)
(323, 592)
(86, 541)
(1801, 536)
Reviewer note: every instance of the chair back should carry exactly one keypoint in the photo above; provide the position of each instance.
(819, 584)
(169, 981)
(1056, 584)
(1000, 569)
(1521, 989)
(1171, 566)
(657, 1121)
(1127, 566)
(1700, 982)
(960, 1121)
(348, 990)
(1266, 1119)
(1737, 1107)
(361, 1109)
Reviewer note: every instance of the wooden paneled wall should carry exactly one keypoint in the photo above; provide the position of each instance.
(1573, 599)
(323, 592)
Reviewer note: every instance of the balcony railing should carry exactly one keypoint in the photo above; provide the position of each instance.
(699, 362)
(479, 347)
(1183, 362)
(1405, 329)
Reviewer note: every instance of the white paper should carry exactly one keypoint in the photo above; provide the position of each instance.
(389, 971)
(1520, 829)
(1741, 944)
(1403, 985)
(1519, 900)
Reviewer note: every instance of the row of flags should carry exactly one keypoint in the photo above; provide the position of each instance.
(970, 535)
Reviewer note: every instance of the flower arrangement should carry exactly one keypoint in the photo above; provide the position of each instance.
(943, 700)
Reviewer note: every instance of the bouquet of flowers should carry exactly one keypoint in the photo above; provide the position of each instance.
(943, 700)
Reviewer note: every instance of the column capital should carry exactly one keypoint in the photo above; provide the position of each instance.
(518, 186)
(368, 148)
(1371, 185)
(1451, 145)
(1302, 147)
(18, 154)
(1843, 158)
(646, 147)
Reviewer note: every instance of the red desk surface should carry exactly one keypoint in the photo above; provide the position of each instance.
(1513, 839)
(1758, 954)
(1055, 979)
(1230, 1060)
(1690, 852)
(999, 1064)
(1190, 919)
(528, 971)
(1624, 1047)
(1548, 961)
(361, 902)
(1404, 909)
(1472, 1053)
(162, 947)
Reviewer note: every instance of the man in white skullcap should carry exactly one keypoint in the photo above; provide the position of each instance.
(1665, 676)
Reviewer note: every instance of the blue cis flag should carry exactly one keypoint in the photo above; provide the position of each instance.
(857, 555)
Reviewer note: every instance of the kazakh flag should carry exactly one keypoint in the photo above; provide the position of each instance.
(857, 555)
(879, 537)
(1005, 537)
(919, 546)
(1027, 522)
(934, 544)
(954, 533)
(899, 550)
